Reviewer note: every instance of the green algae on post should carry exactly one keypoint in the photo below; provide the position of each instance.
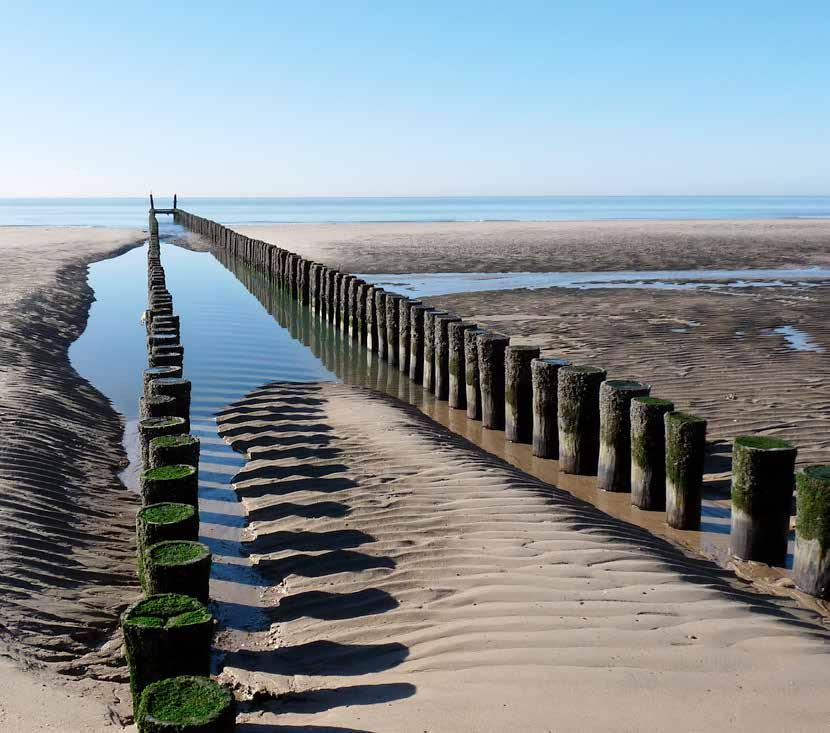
(648, 452)
(578, 418)
(811, 566)
(685, 453)
(545, 379)
(518, 393)
(178, 566)
(186, 703)
(160, 522)
(614, 466)
(174, 449)
(763, 479)
(166, 636)
(154, 427)
(177, 483)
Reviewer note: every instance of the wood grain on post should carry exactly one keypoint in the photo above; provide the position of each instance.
(614, 467)
(429, 348)
(442, 354)
(578, 418)
(648, 452)
(380, 322)
(404, 332)
(685, 453)
(763, 480)
(491, 349)
(544, 375)
(457, 364)
(472, 384)
(518, 393)
(393, 301)
(416, 342)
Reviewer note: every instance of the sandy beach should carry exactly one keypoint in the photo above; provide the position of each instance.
(421, 584)
(66, 534)
(554, 245)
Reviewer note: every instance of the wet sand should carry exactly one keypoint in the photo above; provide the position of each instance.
(417, 583)
(554, 246)
(66, 531)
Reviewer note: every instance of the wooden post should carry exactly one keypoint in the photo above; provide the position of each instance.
(763, 479)
(578, 418)
(648, 452)
(518, 393)
(811, 567)
(614, 469)
(154, 427)
(170, 450)
(429, 348)
(416, 342)
(442, 355)
(457, 364)
(404, 332)
(197, 703)
(175, 202)
(472, 385)
(160, 522)
(380, 322)
(491, 349)
(685, 453)
(393, 301)
(178, 483)
(178, 566)
(179, 389)
(544, 375)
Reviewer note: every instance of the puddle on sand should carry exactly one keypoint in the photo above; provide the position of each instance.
(231, 347)
(423, 285)
(796, 339)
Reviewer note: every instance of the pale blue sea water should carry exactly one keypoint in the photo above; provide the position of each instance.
(131, 212)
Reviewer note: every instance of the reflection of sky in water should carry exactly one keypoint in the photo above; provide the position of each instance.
(445, 283)
(796, 339)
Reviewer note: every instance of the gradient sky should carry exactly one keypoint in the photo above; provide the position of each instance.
(389, 98)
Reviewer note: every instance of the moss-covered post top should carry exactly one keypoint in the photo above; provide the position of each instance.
(185, 703)
(177, 552)
(169, 473)
(682, 418)
(166, 513)
(174, 441)
(763, 442)
(654, 402)
(166, 611)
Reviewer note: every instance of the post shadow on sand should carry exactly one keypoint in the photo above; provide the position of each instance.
(305, 553)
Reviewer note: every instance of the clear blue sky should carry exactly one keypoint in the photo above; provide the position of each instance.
(391, 98)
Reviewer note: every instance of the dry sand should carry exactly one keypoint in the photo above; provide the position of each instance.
(554, 246)
(66, 535)
(418, 584)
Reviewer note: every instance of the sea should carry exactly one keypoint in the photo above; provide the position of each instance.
(132, 212)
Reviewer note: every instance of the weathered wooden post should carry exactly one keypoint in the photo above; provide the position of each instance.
(614, 468)
(544, 376)
(811, 566)
(170, 450)
(355, 308)
(178, 566)
(345, 287)
(491, 349)
(404, 331)
(393, 301)
(160, 522)
(178, 389)
(380, 322)
(166, 636)
(685, 453)
(154, 427)
(763, 479)
(648, 452)
(186, 703)
(158, 373)
(156, 406)
(442, 354)
(457, 366)
(416, 342)
(518, 393)
(472, 383)
(429, 348)
(577, 398)
(178, 484)
(362, 314)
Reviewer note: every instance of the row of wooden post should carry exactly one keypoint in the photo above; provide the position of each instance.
(611, 428)
(168, 632)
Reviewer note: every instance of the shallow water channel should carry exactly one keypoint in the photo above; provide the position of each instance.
(239, 332)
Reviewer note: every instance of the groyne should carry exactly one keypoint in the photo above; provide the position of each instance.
(595, 433)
